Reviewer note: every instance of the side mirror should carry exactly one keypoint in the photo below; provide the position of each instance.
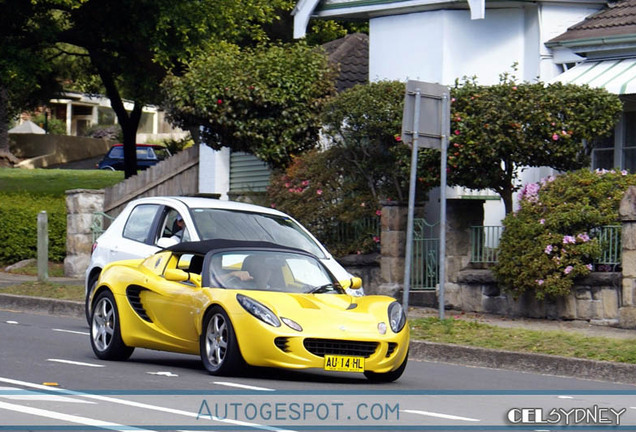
(353, 283)
(176, 275)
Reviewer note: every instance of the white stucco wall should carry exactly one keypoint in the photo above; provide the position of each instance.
(440, 46)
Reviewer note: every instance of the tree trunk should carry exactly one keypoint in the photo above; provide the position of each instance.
(129, 122)
(4, 120)
(506, 196)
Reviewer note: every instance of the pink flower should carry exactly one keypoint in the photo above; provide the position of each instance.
(305, 183)
(583, 237)
(569, 240)
(568, 269)
(319, 192)
(398, 138)
(363, 204)
(589, 267)
(219, 101)
(548, 249)
(378, 212)
(273, 205)
(376, 239)
(457, 132)
(539, 281)
(555, 137)
(542, 221)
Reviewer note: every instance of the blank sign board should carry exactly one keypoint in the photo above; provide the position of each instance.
(423, 107)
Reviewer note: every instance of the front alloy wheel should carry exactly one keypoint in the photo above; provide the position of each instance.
(106, 338)
(219, 350)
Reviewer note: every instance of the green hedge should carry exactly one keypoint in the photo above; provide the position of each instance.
(19, 226)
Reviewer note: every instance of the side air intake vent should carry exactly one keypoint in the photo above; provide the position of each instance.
(133, 294)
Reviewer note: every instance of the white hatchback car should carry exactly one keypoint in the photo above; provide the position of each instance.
(147, 225)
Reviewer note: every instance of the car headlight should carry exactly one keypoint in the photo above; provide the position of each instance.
(397, 318)
(259, 310)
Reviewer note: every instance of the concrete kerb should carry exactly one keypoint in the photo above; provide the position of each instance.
(420, 350)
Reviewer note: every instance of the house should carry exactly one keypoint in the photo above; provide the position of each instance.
(82, 111)
(600, 51)
(441, 41)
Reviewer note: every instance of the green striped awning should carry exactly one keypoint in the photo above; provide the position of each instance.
(616, 76)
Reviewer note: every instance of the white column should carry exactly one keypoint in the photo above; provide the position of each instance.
(214, 170)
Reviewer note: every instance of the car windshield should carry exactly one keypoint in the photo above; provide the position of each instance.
(116, 153)
(270, 271)
(236, 225)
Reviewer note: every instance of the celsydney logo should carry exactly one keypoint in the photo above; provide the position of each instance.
(594, 415)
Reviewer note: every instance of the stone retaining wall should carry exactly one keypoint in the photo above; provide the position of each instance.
(594, 298)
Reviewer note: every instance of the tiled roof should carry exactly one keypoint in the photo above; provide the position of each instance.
(618, 19)
(351, 53)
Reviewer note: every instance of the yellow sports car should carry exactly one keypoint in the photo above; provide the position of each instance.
(239, 302)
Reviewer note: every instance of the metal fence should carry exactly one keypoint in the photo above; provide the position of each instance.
(484, 242)
(425, 268)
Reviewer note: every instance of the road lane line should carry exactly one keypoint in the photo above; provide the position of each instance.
(72, 331)
(142, 405)
(15, 393)
(439, 415)
(75, 363)
(85, 421)
(243, 386)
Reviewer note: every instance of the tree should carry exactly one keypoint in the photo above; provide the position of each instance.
(26, 73)
(132, 44)
(363, 123)
(497, 131)
(264, 100)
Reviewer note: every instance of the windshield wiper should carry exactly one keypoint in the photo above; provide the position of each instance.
(321, 289)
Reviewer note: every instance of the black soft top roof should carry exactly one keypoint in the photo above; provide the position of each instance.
(205, 246)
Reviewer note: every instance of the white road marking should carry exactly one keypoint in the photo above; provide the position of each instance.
(243, 386)
(67, 417)
(439, 415)
(141, 405)
(167, 374)
(72, 331)
(15, 393)
(76, 363)
(565, 397)
(12, 322)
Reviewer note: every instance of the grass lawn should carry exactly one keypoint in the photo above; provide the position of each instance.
(47, 290)
(55, 181)
(473, 333)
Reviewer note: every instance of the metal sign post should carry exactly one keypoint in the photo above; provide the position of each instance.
(426, 123)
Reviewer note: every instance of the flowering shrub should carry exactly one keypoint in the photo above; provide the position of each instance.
(315, 190)
(549, 241)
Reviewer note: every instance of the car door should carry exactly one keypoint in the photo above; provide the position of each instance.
(173, 307)
(137, 237)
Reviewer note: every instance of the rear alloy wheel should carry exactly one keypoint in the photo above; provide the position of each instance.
(219, 349)
(92, 283)
(106, 338)
(387, 376)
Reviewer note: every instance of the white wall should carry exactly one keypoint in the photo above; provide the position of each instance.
(441, 46)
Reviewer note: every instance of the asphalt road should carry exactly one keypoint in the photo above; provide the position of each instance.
(50, 379)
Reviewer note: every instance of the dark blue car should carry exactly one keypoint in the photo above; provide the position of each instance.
(147, 156)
